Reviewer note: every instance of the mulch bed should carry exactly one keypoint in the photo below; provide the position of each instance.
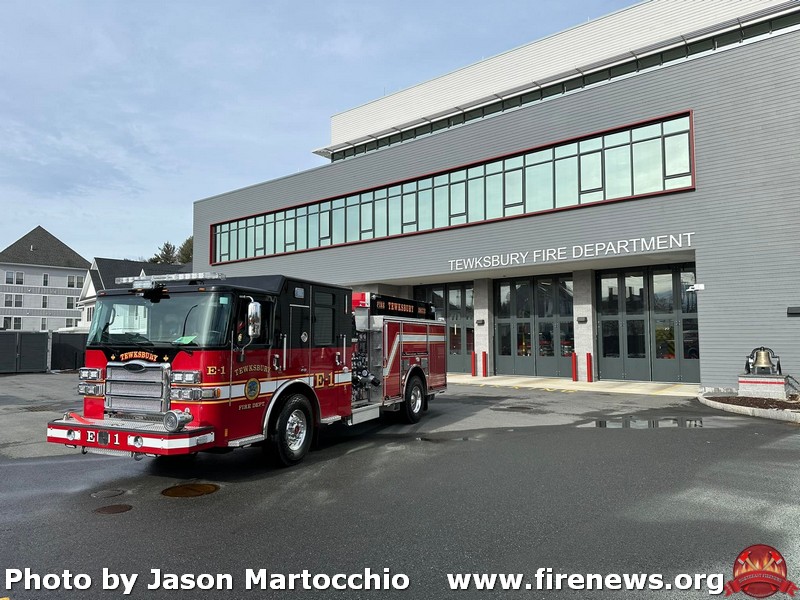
(759, 402)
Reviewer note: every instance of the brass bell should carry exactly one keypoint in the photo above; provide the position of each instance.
(760, 362)
(763, 361)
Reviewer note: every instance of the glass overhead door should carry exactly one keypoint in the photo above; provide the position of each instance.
(622, 324)
(647, 325)
(455, 303)
(533, 326)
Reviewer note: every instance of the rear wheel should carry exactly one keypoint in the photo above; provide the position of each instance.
(415, 400)
(294, 430)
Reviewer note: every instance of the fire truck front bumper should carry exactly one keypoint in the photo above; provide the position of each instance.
(124, 437)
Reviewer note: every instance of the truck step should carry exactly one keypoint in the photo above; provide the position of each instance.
(365, 413)
(246, 441)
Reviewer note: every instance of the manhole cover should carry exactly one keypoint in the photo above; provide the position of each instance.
(107, 493)
(190, 490)
(113, 509)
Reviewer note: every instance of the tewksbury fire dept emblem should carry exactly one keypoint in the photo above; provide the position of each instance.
(760, 571)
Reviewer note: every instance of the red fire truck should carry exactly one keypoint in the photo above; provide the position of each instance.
(180, 364)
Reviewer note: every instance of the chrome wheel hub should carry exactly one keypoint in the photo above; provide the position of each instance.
(416, 399)
(296, 430)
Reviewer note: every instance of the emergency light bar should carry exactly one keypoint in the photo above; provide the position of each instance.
(150, 281)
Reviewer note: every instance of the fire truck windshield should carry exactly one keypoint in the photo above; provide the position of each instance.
(183, 319)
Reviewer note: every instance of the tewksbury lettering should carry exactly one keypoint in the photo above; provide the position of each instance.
(489, 261)
(593, 250)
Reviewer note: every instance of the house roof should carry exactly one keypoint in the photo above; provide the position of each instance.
(40, 247)
(108, 269)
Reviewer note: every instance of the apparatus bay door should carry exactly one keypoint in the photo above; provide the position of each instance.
(534, 327)
(647, 324)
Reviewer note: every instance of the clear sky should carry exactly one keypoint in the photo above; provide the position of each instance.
(116, 116)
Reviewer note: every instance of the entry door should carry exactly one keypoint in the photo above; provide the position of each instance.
(622, 323)
(460, 327)
(635, 341)
(664, 328)
(554, 326)
(689, 341)
(515, 345)
(675, 349)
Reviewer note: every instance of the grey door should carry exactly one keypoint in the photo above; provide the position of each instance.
(554, 326)
(609, 323)
(675, 345)
(623, 326)
(514, 337)
(689, 339)
(647, 324)
(636, 332)
(533, 326)
(460, 327)
(664, 325)
(454, 302)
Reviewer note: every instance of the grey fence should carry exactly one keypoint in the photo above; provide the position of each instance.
(34, 352)
(68, 351)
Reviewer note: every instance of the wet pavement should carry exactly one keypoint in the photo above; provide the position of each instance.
(29, 401)
(648, 388)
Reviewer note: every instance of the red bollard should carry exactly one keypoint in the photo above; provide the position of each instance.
(589, 375)
(474, 365)
(485, 364)
(574, 367)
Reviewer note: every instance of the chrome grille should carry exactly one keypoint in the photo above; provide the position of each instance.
(138, 387)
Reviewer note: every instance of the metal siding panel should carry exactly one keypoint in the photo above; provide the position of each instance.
(622, 32)
(743, 213)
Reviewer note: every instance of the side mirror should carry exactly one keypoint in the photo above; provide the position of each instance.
(254, 319)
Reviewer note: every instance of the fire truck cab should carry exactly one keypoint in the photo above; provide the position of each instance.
(181, 364)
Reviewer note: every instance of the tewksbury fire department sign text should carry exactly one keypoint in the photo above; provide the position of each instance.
(576, 252)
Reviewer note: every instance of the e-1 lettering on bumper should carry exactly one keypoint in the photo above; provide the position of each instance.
(126, 437)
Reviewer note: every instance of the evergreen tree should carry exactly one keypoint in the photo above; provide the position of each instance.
(166, 255)
(186, 251)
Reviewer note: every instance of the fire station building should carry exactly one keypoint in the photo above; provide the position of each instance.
(626, 190)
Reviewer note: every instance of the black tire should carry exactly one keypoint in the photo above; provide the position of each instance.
(294, 430)
(415, 400)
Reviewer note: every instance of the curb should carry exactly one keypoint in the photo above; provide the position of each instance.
(763, 413)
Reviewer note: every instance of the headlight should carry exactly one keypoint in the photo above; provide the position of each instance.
(85, 373)
(90, 389)
(185, 377)
(193, 394)
(175, 420)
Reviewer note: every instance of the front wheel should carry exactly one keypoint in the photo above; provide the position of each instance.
(415, 400)
(294, 429)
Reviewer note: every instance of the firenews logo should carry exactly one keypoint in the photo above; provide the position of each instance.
(759, 572)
